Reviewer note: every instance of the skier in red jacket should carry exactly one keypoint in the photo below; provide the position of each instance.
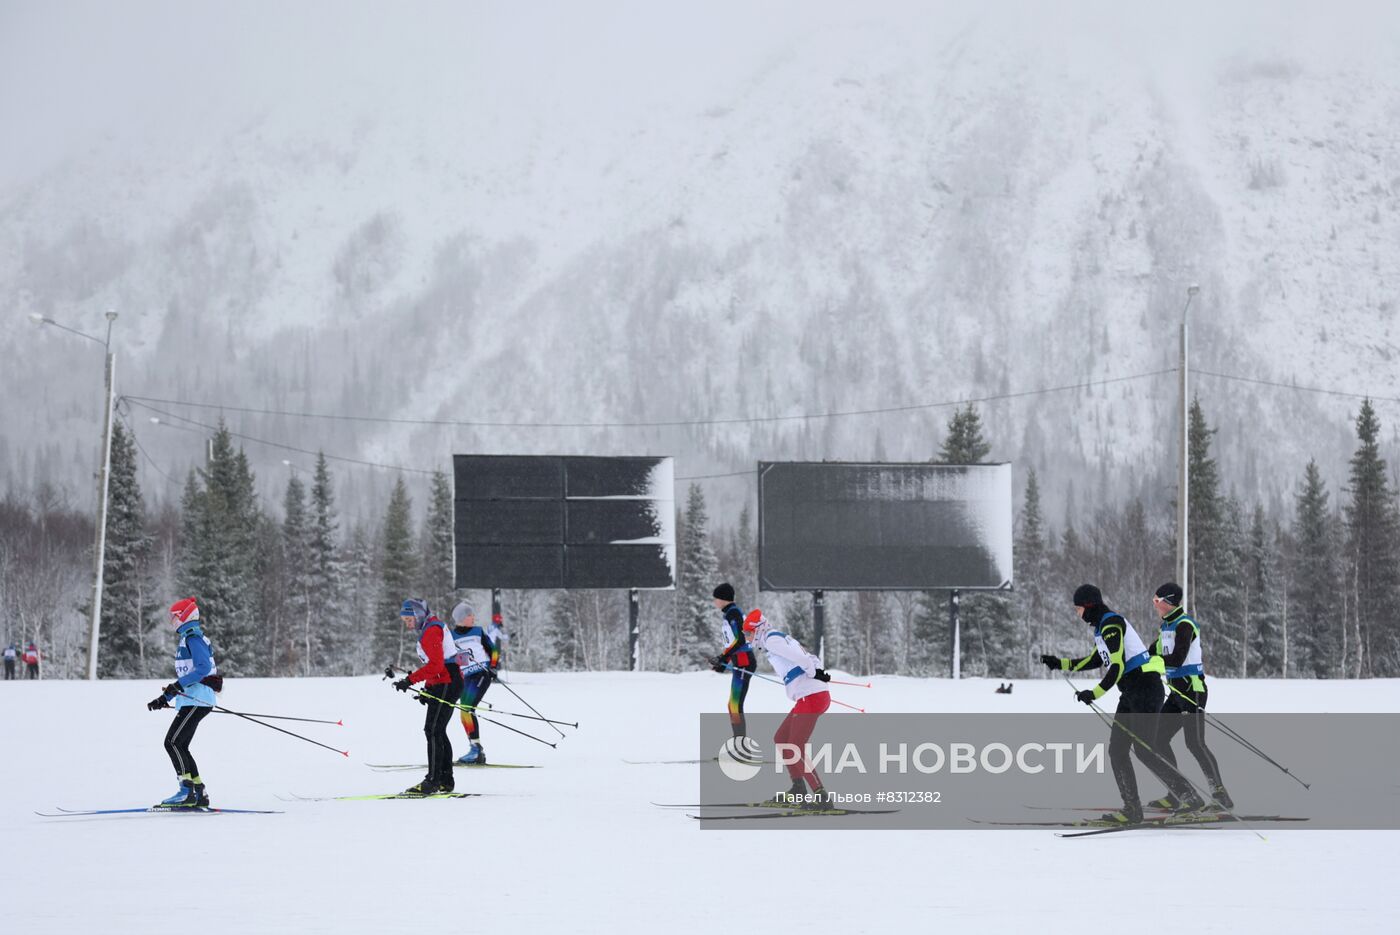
(442, 686)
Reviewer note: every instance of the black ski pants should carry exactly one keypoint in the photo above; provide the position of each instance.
(440, 701)
(1135, 729)
(1185, 709)
(177, 739)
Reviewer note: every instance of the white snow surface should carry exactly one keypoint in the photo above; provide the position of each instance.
(576, 846)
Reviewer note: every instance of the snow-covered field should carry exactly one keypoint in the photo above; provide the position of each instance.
(576, 846)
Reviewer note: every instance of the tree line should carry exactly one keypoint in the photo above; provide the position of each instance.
(1306, 590)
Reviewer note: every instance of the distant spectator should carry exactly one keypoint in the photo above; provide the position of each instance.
(31, 661)
(11, 657)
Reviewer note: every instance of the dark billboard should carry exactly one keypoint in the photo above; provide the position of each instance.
(548, 521)
(850, 527)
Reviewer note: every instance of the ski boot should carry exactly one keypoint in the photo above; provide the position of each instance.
(1220, 800)
(1127, 815)
(476, 756)
(820, 800)
(426, 787)
(1167, 803)
(1187, 805)
(191, 794)
(445, 784)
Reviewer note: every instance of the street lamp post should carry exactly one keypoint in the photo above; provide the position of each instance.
(103, 481)
(1183, 488)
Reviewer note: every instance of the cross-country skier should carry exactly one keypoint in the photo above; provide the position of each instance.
(197, 680)
(11, 657)
(737, 653)
(31, 661)
(804, 680)
(1179, 645)
(478, 658)
(1136, 673)
(496, 630)
(434, 647)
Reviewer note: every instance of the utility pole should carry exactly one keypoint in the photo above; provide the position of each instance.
(103, 475)
(1183, 487)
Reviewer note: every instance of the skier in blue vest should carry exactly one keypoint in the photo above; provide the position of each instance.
(197, 680)
(478, 658)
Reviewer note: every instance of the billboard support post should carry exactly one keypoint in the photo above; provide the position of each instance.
(818, 620)
(634, 613)
(954, 634)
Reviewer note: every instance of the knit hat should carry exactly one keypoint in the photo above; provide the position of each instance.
(725, 591)
(183, 611)
(1171, 593)
(1086, 595)
(462, 611)
(414, 607)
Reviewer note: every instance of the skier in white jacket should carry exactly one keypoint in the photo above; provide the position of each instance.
(805, 683)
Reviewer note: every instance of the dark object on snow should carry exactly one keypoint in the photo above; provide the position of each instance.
(1004, 689)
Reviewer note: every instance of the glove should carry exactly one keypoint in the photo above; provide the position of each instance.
(1051, 662)
(423, 700)
(488, 676)
(388, 672)
(174, 689)
(822, 676)
(717, 663)
(215, 682)
(1086, 696)
(161, 702)
(403, 684)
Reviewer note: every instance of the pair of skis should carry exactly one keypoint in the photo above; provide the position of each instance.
(771, 810)
(155, 810)
(1101, 826)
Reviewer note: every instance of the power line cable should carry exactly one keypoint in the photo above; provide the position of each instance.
(1293, 386)
(272, 444)
(662, 423)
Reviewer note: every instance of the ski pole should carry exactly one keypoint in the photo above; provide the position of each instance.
(344, 753)
(282, 717)
(529, 717)
(1114, 722)
(767, 678)
(852, 684)
(527, 704)
(462, 707)
(1234, 735)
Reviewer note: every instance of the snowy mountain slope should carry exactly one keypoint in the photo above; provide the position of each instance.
(845, 213)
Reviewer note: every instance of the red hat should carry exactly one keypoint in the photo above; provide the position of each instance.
(754, 620)
(183, 611)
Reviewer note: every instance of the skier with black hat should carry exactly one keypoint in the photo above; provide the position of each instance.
(1179, 645)
(738, 656)
(1136, 673)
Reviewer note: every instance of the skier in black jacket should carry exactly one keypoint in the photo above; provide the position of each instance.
(1135, 671)
(737, 654)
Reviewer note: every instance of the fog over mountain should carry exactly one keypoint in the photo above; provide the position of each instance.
(640, 212)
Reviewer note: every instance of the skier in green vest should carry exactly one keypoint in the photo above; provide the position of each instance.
(1137, 675)
(1179, 646)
